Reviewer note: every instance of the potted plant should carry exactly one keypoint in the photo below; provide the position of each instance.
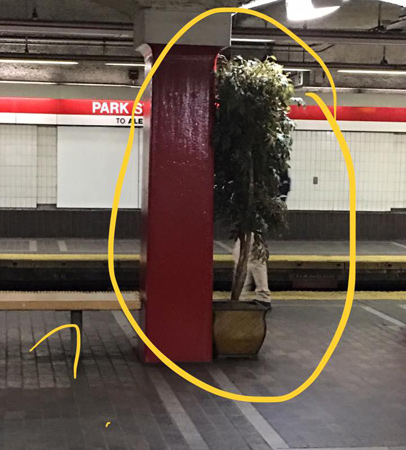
(252, 143)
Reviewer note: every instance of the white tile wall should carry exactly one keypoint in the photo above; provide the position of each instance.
(46, 160)
(399, 196)
(18, 166)
(380, 165)
(28, 169)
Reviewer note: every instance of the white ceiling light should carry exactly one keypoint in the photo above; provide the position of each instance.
(303, 10)
(100, 85)
(257, 3)
(37, 61)
(26, 82)
(397, 2)
(295, 69)
(373, 72)
(69, 84)
(300, 10)
(125, 64)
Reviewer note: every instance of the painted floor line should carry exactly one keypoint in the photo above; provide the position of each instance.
(63, 248)
(384, 316)
(33, 245)
(268, 433)
(224, 246)
(217, 258)
(126, 327)
(399, 245)
(325, 296)
(175, 409)
(65, 257)
(345, 448)
(308, 304)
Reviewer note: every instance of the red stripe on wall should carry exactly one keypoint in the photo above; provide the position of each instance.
(351, 113)
(68, 106)
(124, 108)
(28, 105)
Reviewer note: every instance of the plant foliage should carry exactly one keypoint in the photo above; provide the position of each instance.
(252, 144)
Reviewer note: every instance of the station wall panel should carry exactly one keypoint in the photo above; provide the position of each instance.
(46, 170)
(18, 166)
(319, 175)
(89, 159)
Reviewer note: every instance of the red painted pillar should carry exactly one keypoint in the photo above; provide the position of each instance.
(177, 223)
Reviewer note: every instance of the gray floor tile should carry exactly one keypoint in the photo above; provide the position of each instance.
(358, 402)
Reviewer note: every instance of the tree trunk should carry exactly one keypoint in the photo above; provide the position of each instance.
(240, 273)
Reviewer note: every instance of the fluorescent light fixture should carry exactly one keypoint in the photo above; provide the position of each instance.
(303, 10)
(26, 82)
(99, 85)
(257, 3)
(295, 69)
(397, 2)
(125, 64)
(372, 72)
(38, 61)
(248, 39)
(68, 84)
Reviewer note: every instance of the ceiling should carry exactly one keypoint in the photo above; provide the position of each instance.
(95, 31)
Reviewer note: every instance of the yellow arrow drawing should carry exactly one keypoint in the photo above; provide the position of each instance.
(78, 343)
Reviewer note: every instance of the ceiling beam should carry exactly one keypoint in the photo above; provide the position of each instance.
(124, 31)
(72, 29)
(73, 57)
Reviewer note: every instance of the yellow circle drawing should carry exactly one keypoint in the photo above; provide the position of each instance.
(352, 257)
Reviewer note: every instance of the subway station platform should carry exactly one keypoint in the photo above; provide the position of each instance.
(81, 264)
(89, 247)
(358, 402)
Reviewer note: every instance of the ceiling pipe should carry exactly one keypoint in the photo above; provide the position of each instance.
(85, 58)
(124, 31)
(325, 36)
(342, 66)
(67, 24)
(78, 29)
(63, 41)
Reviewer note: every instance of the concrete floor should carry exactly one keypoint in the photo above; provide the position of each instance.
(359, 401)
(95, 246)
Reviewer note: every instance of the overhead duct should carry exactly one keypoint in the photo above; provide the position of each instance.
(314, 36)
(327, 3)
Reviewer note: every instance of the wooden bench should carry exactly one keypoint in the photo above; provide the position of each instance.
(73, 301)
